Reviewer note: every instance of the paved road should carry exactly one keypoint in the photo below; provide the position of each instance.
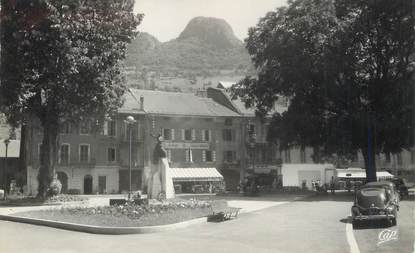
(317, 224)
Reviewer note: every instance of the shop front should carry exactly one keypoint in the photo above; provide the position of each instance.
(197, 180)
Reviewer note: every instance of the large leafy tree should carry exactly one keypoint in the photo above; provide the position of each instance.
(346, 67)
(60, 61)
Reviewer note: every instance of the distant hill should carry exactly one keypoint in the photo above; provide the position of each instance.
(211, 32)
(207, 47)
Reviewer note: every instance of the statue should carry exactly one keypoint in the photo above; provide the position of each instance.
(160, 183)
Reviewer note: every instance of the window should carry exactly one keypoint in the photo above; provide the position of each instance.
(188, 134)
(287, 156)
(64, 154)
(84, 153)
(399, 158)
(111, 155)
(39, 151)
(251, 129)
(388, 157)
(208, 156)
(65, 128)
(229, 156)
(168, 134)
(302, 155)
(85, 127)
(189, 155)
(111, 128)
(228, 122)
(227, 134)
(206, 135)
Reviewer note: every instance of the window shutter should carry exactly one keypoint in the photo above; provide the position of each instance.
(59, 154)
(210, 135)
(233, 135)
(234, 156)
(214, 156)
(190, 155)
(203, 155)
(193, 134)
(138, 130)
(203, 134)
(183, 135)
(172, 133)
(126, 131)
(186, 151)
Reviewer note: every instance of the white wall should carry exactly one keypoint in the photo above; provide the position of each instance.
(293, 174)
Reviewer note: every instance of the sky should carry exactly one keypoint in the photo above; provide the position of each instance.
(165, 19)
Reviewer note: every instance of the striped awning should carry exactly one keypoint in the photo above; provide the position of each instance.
(195, 174)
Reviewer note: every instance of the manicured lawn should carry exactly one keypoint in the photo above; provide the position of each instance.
(127, 215)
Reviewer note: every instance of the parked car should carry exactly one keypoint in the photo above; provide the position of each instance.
(374, 204)
(389, 187)
(400, 186)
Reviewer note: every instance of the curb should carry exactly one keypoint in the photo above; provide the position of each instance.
(103, 230)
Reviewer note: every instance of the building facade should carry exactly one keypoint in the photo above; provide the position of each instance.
(197, 132)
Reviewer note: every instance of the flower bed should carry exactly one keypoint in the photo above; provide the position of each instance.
(128, 215)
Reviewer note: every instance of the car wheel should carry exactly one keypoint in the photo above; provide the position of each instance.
(355, 224)
(393, 222)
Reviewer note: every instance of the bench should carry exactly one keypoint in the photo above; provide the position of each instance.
(221, 211)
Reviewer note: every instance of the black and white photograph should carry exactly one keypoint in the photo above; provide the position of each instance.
(266, 126)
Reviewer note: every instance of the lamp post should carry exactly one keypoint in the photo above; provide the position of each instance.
(6, 142)
(129, 121)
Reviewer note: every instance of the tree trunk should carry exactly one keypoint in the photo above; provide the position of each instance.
(369, 156)
(316, 154)
(48, 156)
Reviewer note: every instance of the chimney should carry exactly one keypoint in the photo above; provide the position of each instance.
(141, 103)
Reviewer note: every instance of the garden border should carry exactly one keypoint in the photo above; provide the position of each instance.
(103, 230)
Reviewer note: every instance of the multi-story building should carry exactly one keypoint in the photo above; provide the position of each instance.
(198, 133)
(93, 159)
(259, 155)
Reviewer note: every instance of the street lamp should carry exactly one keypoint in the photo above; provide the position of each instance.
(6, 142)
(129, 121)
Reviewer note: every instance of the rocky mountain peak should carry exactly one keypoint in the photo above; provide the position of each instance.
(211, 31)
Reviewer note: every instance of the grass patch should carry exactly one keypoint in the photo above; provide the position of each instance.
(129, 215)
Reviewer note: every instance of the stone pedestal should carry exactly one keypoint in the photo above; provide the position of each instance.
(160, 181)
(167, 180)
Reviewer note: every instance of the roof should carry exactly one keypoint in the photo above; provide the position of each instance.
(131, 104)
(351, 174)
(361, 173)
(13, 149)
(225, 84)
(240, 107)
(175, 103)
(195, 174)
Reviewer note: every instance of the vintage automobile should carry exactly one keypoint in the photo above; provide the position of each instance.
(373, 204)
(390, 188)
(400, 186)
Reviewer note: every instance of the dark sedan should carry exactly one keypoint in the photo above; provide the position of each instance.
(374, 204)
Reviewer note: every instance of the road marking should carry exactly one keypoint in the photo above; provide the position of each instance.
(351, 240)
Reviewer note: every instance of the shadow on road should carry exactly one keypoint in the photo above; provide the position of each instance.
(369, 224)
(339, 196)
